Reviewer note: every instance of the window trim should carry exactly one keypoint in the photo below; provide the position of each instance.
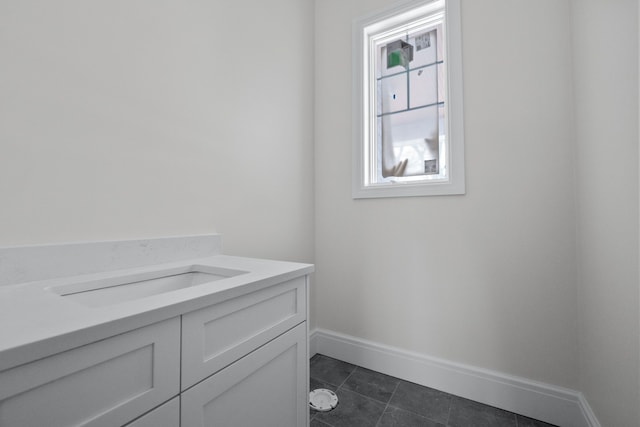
(374, 23)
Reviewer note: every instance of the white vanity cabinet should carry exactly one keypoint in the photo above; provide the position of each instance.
(266, 388)
(240, 362)
(104, 384)
(252, 350)
(218, 335)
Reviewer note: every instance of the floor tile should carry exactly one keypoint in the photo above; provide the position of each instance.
(363, 396)
(330, 370)
(425, 401)
(315, 383)
(353, 410)
(528, 422)
(372, 384)
(467, 413)
(396, 417)
(318, 423)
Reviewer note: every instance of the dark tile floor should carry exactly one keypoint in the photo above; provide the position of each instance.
(369, 398)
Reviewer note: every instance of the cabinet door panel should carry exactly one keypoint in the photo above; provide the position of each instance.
(216, 336)
(107, 383)
(267, 388)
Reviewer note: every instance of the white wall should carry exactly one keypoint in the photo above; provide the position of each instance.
(605, 38)
(123, 119)
(487, 278)
(153, 118)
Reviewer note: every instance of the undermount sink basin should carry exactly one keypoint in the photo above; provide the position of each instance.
(114, 290)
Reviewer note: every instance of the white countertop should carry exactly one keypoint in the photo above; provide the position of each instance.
(36, 322)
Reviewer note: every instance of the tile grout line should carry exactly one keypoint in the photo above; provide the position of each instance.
(348, 376)
(363, 395)
(345, 380)
(387, 405)
(419, 414)
(337, 388)
(341, 384)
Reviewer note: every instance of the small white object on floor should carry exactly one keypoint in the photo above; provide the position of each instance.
(323, 400)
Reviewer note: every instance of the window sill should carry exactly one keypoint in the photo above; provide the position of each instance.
(408, 190)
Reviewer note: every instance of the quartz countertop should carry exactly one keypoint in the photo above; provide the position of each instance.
(36, 322)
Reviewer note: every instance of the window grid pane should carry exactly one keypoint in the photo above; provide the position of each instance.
(410, 133)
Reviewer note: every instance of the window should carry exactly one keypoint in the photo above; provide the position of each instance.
(408, 128)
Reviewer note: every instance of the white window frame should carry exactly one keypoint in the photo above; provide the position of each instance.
(363, 99)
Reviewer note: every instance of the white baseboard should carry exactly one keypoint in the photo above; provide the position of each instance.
(545, 402)
(587, 412)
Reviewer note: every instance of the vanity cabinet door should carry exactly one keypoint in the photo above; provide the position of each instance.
(218, 335)
(167, 415)
(104, 384)
(267, 388)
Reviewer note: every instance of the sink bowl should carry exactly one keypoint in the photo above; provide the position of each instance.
(117, 289)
